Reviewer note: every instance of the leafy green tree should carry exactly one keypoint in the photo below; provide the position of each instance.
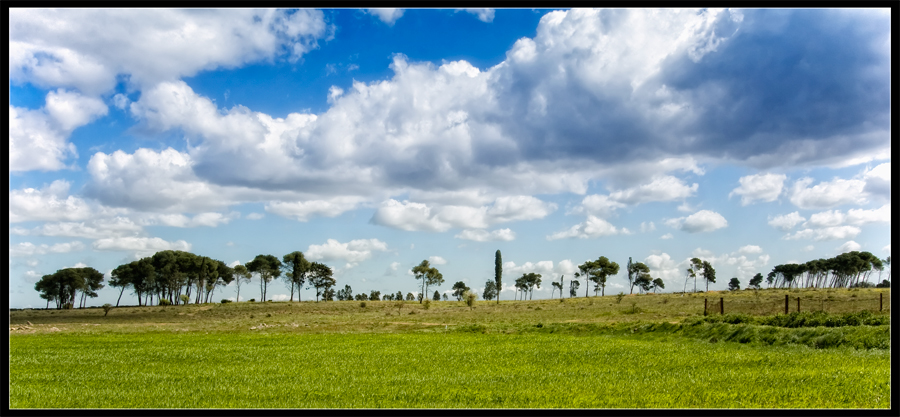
(658, 283)
(320, 277)
(498, 273)
(521, 286)
(436, 296)
(573, 287)
(734, 284)
(643, 281)
(586, 270)
(241, 275)
(558, 286)
(328, 294)
(470, 298)
(709, 274)
(637, 271)
(695, 270)
(362, 297)
(756, 281)
(296, 268)
(398, 296)
(531, 280)
(490, 290)
(459, 289)
(121, 277)
(375, 295)
(603, 268)
(62, 286)
(345, 294)
(428, 275)
(268, 267)
(106, 308)
(445, 297)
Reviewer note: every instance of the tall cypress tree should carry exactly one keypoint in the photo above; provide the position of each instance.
(498, 271)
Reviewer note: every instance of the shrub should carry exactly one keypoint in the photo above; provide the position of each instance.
(470, 298)
(362, 304)
(426, 304)
(252, 300)
(164, 302)
(225, 301)
(619, 297)
(106, 308)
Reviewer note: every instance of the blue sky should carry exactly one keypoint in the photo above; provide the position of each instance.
(371, 140)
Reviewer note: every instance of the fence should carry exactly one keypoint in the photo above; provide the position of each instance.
(768, 305)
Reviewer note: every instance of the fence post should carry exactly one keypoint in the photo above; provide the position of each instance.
(881, 301)
(798, 304)
(721, 306)
(704, 306)
(785, 304)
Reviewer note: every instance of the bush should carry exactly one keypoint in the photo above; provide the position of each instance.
(619, 297)
(426, 304)
(184, 299)
(225, 301)
(362, 304)
(252, 300)
(106, 308)
(163, 302)
(470, 298)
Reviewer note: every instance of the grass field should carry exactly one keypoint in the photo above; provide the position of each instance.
(641, 352)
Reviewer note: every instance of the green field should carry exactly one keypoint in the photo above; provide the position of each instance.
(639, 352)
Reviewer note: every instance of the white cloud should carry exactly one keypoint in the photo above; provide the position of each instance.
(808, 248)
(826, 233)
(827, 194)
(30, 249)
(255, 216)
(647, 227)
(878, 180)
(412, 216)
(211, 219)
(593, 227)
(748, 249)
(304, 210)
(849, 246)
(504, 235)
(666, 236)
(49, 47)
(354, 251)
(484, 15)
(92, 229)
(386, 15)
(759, 187)
(663, 188)
(50, 203)
(598, 205)
(437, 260)
(139, 244)
(858, 217)
(664, 267)
(280, 297)
(701, 221)
(786, 222)
(742, 266)
(887, 249)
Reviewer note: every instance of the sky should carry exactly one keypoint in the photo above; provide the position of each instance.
(372, 140)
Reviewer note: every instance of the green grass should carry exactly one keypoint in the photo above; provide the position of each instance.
(653, 351)
(434, 370)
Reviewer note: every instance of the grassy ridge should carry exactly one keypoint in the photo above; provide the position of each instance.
(433, 370)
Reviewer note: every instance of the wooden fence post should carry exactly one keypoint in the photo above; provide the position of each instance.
(721, 306)
(785, 304)
(881, 301)
(704, 306)
(798, 304)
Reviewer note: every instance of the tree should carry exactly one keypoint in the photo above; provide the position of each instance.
(573, 287)
(658, 283)
(120, 277)
(345, 294)
(490, 290)
(603, 269)
(470, 298)
(586, 270)
(734, 284)
(375, 295)
(709, 274)
(557, 286)
(429, 276)
(694, 270)
(362, 297)
(639, 274)
(630, 269)
(241, 275)
(445, 297)
(296, 268)
(643, 281)
(756, 281)
(268, 267)
(320, 277)
(498, 272)
(436, 296)
(531, 280)
(459, 289)
(410, 297)
(62, 286)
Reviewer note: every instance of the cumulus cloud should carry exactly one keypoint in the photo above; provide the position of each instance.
(304, 210)
(139, 244)
(211, 219)
(386, 15)
(48, 47)
(38, 139)
(92, 229)
(759, 187)
(503, 235)
(353, 251)
(30, 249)
(825, 233)
(593, 227)
(742, 265)
(51, 203)
(786, 222)
(547, 269)
(411, 216)
(666, 236)
(878, 180)
(437, 260)
(701, 221)
(660, 188)
(748, 249)
(849, 246)
(484, 15)
(827, 194)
